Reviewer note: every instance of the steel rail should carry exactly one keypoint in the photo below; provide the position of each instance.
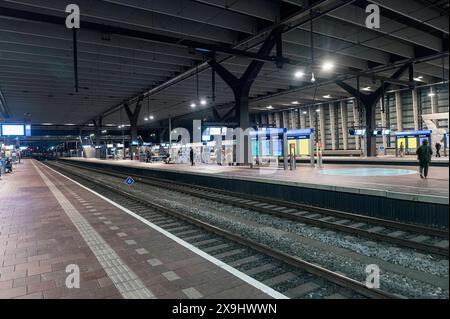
(314, 269)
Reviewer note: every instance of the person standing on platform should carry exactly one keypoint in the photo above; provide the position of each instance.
(191, 154)
(424, 153)
(402, 149)
(438, 149)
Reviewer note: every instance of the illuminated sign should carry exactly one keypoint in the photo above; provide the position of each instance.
(13, 130)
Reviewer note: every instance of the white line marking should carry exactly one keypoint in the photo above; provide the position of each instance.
(117, 270)
(251, 281)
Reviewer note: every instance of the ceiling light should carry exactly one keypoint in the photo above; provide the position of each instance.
(419, 78)
(328, 96)
(367, 88)
(203, 102)
(193, 105)
(304, 112)
(270, 107)
(296, 103)
(146, 119)
(327, 66)
(318, 110)
(299, 74)
(431, 94)
(313, 78)
(152, 117)
(47, 124)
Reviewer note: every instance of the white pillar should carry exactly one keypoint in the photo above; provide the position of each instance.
(434, 102)
(322, 126)
(302, 119)
(415, 103)
(269, 119)
(383, 124)
(357, 123)
(398, 110)
(344, 118)
(277, 119)
(292, 114)
(311, 117)
(332, 125)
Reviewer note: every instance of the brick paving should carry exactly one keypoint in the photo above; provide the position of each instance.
(38, 240)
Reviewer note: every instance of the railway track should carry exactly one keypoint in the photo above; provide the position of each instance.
(271, 266)
(423, 239)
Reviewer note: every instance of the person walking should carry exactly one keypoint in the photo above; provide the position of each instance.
(438, 149)
(191, 154)
(402, 149)
(424, 153)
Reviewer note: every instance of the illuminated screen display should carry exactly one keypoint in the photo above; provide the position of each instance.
(13, 130)
(27, 130)
(215, 131)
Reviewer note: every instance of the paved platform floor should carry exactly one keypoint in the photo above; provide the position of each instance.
(48, 223)
(400, 180)
(382, 159)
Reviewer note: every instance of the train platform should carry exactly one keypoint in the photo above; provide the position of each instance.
(353, 187)
(52, 227)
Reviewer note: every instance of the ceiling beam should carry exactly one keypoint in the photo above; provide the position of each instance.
(418, 11)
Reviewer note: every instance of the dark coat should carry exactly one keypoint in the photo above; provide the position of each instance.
(424, 153)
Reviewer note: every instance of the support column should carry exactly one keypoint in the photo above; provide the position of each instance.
(398, 110)
(344, 118)
(357, 124)
(368, 103)
(312, 122)
(241, 86)
(434, 103)
(384, 124)
(277, 119)
(293, 120)
(323, 136)
(332, 125)
(415, 103)
(302, 119)
(133, 118)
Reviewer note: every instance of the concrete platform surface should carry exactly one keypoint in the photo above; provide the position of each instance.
(49, 224)
(387, 181)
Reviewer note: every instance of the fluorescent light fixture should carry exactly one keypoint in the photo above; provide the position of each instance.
(367, 88)
(318, 110)
(313, 78)
(193, 105)
(46, 124)
(152, 117)
(327, 66)
(304, 112)
(295, 103)
(104, 131)
(328, 96)
(431, 94)
(270, 107)
(146, 119)
(70, 124)
(418, 78)
(203, 102)
(299, 74)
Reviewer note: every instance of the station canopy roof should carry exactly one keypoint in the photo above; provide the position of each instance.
(128, 48)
